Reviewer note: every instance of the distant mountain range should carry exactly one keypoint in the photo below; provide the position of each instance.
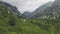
(11, 24)
(38, 12)
(49, 10)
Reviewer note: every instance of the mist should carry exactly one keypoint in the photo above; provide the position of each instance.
(27, 5)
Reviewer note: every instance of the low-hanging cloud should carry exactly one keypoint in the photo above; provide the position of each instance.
(26, 5)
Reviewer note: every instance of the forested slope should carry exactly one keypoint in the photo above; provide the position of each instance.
(11, 24)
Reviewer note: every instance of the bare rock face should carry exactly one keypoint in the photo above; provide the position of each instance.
(56, 3)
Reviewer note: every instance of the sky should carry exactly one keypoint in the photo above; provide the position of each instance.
(27, 5)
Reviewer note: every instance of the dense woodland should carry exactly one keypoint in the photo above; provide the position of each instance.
(12, 24)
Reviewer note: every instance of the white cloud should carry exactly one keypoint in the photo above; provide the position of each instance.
(27, 5)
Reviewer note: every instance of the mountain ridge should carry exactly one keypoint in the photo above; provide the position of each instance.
(11, 8)
(40, 10)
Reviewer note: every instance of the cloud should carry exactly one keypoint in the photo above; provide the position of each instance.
(27, 5)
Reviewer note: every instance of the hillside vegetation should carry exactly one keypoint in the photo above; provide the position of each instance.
(12, 24)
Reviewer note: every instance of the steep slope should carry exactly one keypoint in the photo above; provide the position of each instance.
(11, 24)
(13, 9)
(50, 10)
(39, 11)
(7, 19)
(53, 12)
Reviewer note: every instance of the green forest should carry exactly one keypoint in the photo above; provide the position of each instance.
(12, 24)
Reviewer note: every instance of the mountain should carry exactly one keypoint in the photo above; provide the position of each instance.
(11, 24)
(13, 9)
(39, 11)
(54, 11)
(26, 14)
(51, 12)
(57, 2)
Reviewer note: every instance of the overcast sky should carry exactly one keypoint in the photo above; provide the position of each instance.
(27, 5)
